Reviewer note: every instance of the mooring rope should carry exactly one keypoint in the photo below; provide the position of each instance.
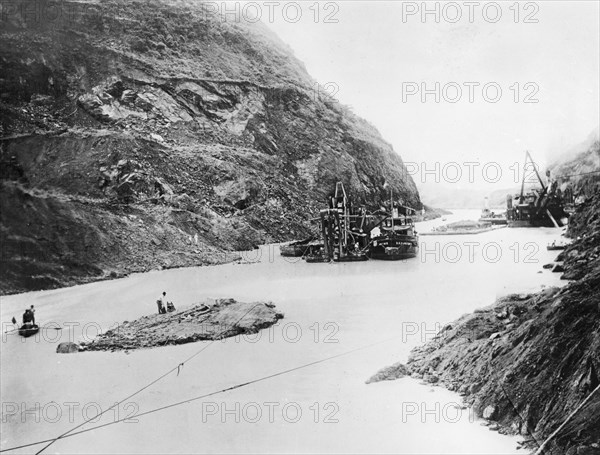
(518, 413)
(189, 400)
(540, 451)
(176, 368)
(581, 173)
(14, 330)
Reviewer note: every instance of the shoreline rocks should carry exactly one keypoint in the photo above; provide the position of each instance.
(396, 371)
(524, 377)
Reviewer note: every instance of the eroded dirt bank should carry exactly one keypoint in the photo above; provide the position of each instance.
(209, 321)
(526, 362)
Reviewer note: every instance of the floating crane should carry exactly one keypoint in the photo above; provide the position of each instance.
(536, 208)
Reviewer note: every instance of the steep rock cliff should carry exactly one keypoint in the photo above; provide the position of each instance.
(138, 135)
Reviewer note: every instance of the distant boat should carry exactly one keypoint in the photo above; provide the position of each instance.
(463, 227)
(487, 216)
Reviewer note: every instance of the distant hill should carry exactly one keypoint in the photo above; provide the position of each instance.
(577, 165)
(570, 152)
(450, 197)
(580, 165)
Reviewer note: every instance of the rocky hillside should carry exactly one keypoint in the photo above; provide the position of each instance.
(138, 135)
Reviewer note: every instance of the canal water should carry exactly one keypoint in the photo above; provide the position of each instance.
(343, 322)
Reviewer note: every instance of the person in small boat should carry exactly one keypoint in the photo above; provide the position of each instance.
(28, 317)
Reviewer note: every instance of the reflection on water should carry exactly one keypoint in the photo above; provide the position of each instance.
(329, 309)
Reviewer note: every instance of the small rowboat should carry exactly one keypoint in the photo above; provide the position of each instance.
(351, 258)
(553, 246)
(316, 258)
(28, 329)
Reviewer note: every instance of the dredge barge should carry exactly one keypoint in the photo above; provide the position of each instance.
(351, 234)
(540, 207)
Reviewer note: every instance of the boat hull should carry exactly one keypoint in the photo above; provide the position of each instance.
(357, 258)
(495, 221)
(27, 330)
(464, 231)
(531, 216)
(316, 259)
(394, 248)
(393, 257)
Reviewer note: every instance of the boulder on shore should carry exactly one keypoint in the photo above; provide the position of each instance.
(67, 348)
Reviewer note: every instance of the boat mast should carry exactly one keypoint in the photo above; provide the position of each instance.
(536, 172)
(523, 179)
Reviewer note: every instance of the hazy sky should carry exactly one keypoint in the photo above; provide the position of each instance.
(375, 57)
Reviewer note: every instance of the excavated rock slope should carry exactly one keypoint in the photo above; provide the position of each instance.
(138, 135)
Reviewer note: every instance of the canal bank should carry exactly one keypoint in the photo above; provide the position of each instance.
(330, 309)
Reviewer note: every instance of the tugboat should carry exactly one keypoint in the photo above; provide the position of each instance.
(397, 239)
(487, 216)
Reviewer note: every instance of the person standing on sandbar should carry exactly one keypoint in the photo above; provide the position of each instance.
(161, 302)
